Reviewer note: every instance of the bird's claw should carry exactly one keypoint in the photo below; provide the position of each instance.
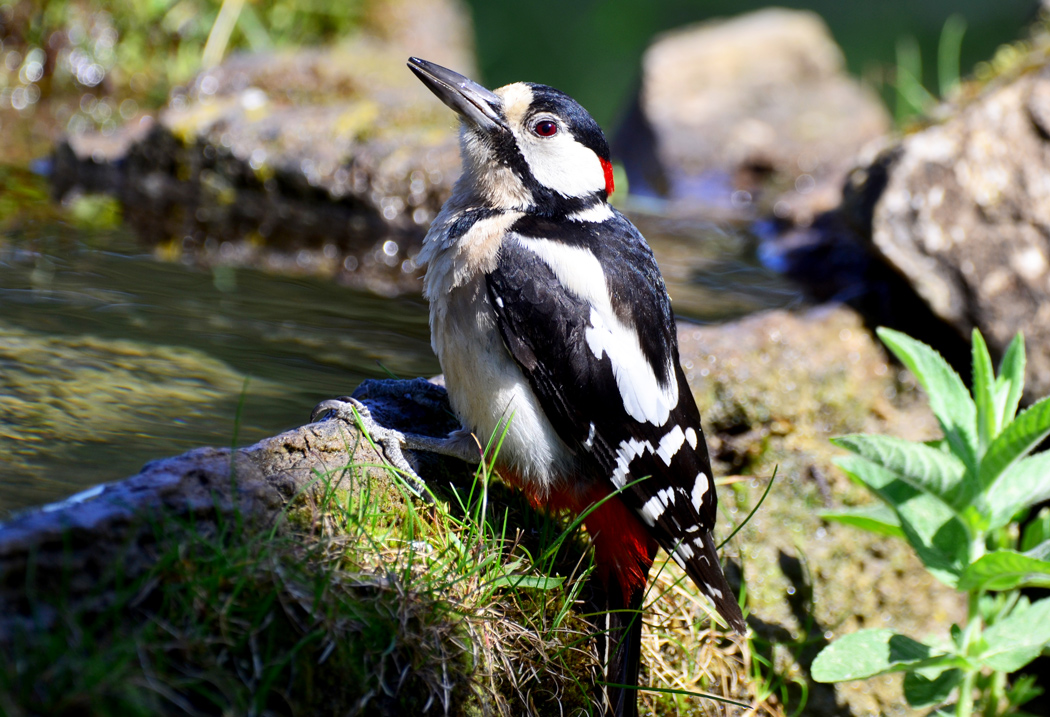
(357, 414)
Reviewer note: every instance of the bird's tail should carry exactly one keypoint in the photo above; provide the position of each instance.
(618, 638)
(704, 569)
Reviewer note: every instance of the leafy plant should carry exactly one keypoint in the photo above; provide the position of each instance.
(961, 502)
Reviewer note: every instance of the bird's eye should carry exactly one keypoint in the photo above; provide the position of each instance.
(545, 128)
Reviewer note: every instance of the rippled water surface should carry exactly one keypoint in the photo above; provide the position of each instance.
(110, 358)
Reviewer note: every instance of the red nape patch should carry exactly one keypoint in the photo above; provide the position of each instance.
(623, 548)
(607, 168)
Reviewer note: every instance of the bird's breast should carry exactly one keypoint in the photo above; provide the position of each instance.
(486, 388)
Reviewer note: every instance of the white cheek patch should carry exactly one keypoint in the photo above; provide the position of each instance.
(562, 164)
(644, 398)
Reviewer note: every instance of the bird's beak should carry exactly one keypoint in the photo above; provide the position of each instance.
(468, 98)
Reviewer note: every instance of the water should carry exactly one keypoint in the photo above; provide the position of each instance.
(110, 358)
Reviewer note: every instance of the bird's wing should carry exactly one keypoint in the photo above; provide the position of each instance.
(600, 352)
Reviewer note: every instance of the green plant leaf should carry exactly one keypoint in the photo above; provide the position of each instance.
(883, 483)
(1010, 384)
(1025, 483)
(1014, 642)
(921, 691)
(528, 582)
(920, 466)
(867, 653)
(938, 536)
(1015, 441)
(1005, 570)
(949, 399)
(1041, 551)
(1037, 532)
(984, 393)
(874, 518)
(1022, 690)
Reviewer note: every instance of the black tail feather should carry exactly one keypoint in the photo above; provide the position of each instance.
(707, 574)
(618, 637)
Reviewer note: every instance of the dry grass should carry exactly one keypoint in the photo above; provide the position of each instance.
(683, 649)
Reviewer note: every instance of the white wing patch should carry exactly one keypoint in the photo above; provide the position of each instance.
(628, 451)
(655, 506)
(700, 486)
(632, 448)
(682, 553)
(644, 398)
(670, 444)
(690, 435)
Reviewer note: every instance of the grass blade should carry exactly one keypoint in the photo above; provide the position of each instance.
(753, 510)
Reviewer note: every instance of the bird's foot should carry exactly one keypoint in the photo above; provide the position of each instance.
(393, 442)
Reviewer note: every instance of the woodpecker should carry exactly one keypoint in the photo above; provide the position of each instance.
(552, 323)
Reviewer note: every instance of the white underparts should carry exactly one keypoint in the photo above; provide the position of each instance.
(485, 385)
(644, 397)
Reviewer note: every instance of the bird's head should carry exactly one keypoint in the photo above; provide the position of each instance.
(525, 146)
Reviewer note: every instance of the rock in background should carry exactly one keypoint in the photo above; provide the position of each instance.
(727, 109)
(330, 160)
(962, 210)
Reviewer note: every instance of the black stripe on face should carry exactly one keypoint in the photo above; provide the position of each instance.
(546, 201)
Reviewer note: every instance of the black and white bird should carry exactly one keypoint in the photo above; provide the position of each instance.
(551, 321)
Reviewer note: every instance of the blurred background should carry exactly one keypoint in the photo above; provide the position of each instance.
(592, 49)
(140, 51)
